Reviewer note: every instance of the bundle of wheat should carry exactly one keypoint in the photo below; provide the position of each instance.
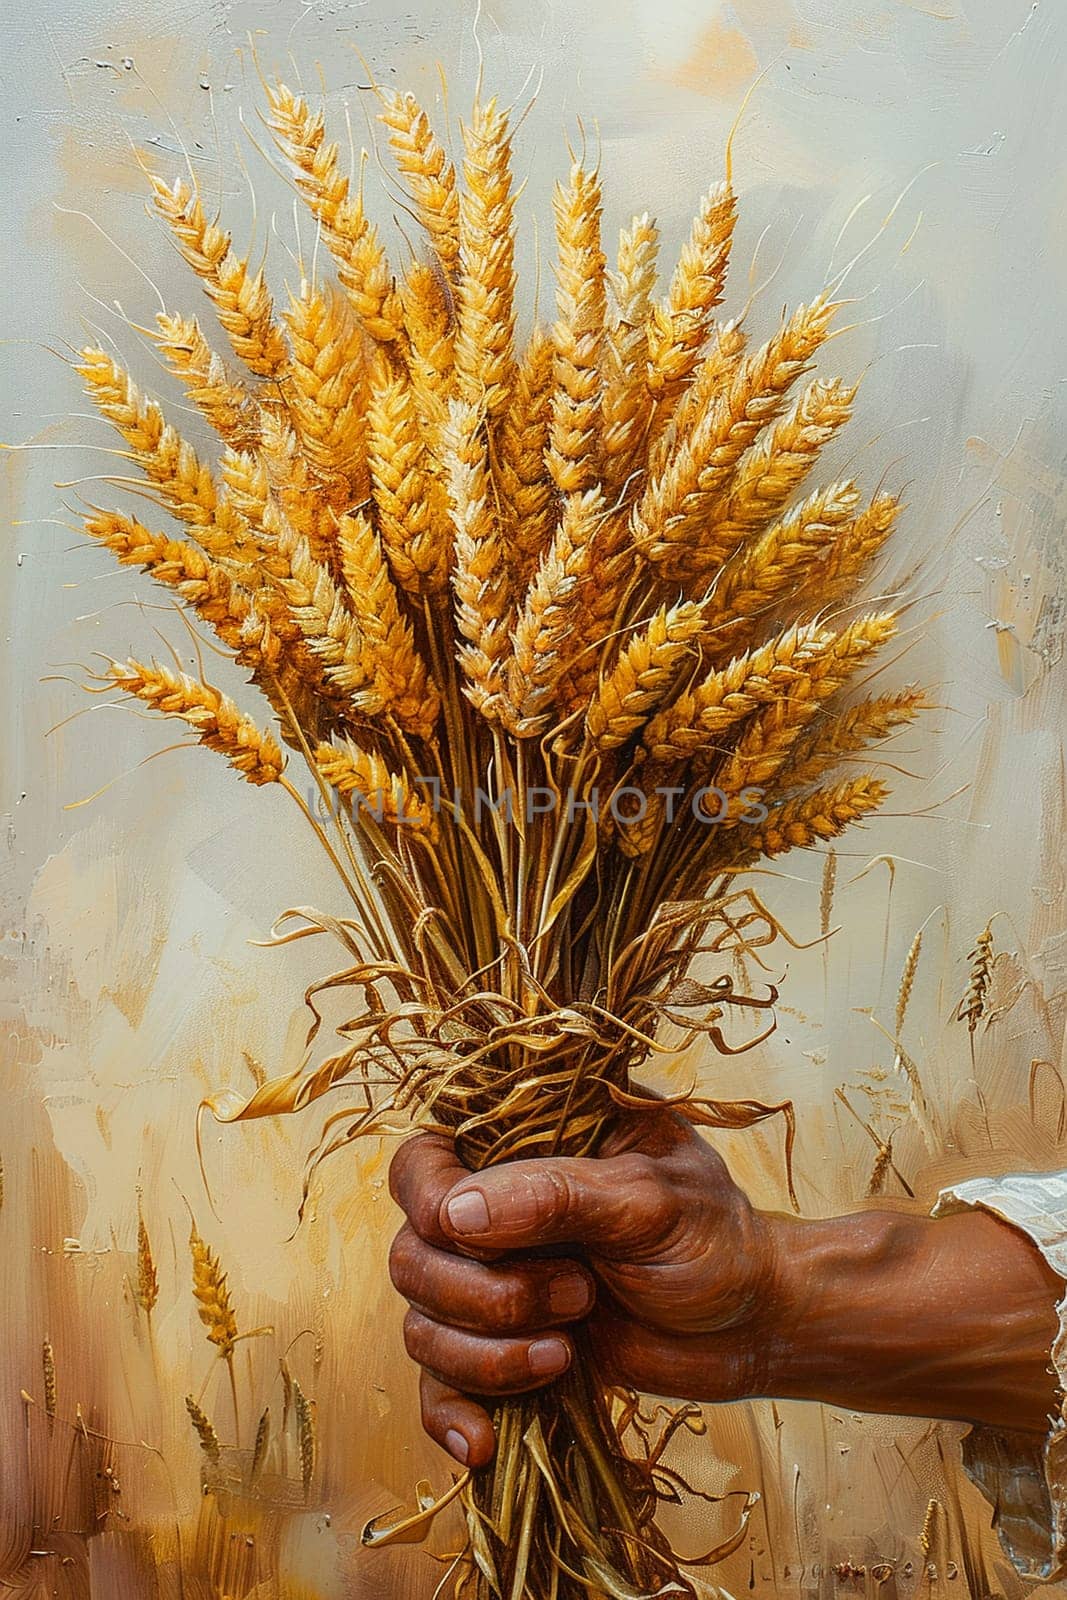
(554, 638)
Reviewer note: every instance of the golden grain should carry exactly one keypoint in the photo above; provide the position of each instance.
(821, 815)
(390, 658)
(642, 675)
(480, 574)
(972, 1008)
(671, 524)
(241, 298)
(546, 628)
(485, 292)
(226, 404)
(212, 1296)
(412, 507)
(352, 239)
(527, 492)
(211, 714)
(382, 794)
(48, 1365)
(146, 1290)
(430, 178)
(326, 393)
(907, 981)
(573, 456)
(627, 401)
(679, 326)
(261, 1445)
(185, 484)
(205, 1432)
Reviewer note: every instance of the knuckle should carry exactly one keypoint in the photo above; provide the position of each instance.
(513, 1301)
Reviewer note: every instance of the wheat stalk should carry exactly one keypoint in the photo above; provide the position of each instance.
(205, 1432)
(48, 1366)
(473, 578)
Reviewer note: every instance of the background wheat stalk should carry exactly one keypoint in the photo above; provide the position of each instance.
(563, 653)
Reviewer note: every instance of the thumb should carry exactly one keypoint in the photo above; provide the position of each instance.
(608, 1204)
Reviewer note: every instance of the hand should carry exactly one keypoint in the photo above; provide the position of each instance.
(667, 1261)
(686, 1290)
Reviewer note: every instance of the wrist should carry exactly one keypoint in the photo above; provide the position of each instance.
(900, 1313)
(826, 1293)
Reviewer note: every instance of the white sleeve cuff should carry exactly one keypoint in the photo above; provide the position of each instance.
(1025, 1477)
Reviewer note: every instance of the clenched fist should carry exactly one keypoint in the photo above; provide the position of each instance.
(685, 1290)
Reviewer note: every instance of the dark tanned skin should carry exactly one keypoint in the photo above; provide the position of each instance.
(688, 1291)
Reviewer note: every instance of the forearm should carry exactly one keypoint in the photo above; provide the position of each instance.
(951, 1318)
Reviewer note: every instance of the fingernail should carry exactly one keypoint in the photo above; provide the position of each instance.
(468, 1213)
(547, 1356)
(568, 1294)
(457, 1446)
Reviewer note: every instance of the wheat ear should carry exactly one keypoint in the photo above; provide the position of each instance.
(241, 297)
(479, 576)
(485, 292)
(48, 1369)
(391, 660)
(387, 796)
(972, 1008)
(527, 493)
(146, 1289)
(226, 404)
(671, 524)
(767, 744)
(352, 239)
(858, 727)
(430, 334)
(699, 715)
(573, 457)
(770, 572)
(185, 484)
(326, 392)
(626, 403)
(205, 1432)
(545, 630)
(822, 815)
(429, 176)
(643, 674)
(411, 505)
(769, 474)
(679, 326)
(305, 1432)
(211, 714)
